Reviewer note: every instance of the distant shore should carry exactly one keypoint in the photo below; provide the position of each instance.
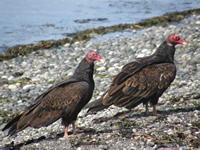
(83, 36)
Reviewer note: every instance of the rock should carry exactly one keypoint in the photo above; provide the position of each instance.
(10, 78)
(111, 69)
(18, 85)
(101, 68)
(197, 22)
(35, 79)
(4, 77)
(67, 45)
(12, 87)
(28, 87)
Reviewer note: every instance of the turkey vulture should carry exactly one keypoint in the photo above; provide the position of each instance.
(63, 100)
(143, 80)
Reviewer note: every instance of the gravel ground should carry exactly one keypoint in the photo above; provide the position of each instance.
(177, 127)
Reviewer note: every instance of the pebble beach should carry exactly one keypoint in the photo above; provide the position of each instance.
(177, 127)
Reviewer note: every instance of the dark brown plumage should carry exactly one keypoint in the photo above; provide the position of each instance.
(63, 100)
(143, 80)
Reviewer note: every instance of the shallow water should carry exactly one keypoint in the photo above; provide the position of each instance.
(30, 21)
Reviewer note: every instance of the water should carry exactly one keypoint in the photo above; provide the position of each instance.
(30, 21)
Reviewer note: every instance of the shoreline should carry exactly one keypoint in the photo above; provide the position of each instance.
(25, 77)
(84, 36)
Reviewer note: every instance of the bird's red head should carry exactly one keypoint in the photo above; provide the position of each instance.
(92, 56)
(174, 39)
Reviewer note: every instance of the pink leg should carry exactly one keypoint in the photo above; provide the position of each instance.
(66, 132)
(154, 110)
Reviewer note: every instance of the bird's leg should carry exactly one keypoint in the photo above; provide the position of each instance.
(147, 108)
(74, 130)
(74, 127)
(154, 110)
(66, 131)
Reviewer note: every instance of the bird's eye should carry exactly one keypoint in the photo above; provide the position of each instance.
(177, 38)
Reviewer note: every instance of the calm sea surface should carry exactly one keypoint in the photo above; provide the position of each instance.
(30, 21)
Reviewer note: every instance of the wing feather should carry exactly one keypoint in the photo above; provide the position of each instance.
(51, 107)
(150, 81)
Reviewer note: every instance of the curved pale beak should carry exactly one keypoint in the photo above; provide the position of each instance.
(102, 61)
(182, 42)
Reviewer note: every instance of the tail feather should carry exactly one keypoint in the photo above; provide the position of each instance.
(96, 106)
(12, 130)
(12, 125)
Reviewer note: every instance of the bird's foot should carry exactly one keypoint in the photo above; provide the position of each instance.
(158, 115)
(147, 113)
(73, 135)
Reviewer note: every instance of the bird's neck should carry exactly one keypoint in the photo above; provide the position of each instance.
(165, 51)
(85, 70)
